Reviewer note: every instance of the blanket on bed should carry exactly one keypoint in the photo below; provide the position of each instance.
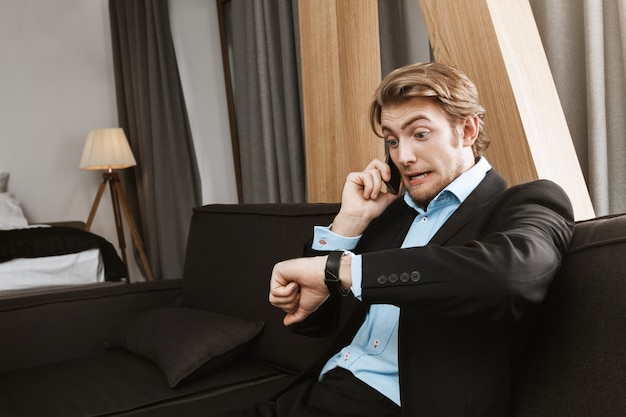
(56, 240)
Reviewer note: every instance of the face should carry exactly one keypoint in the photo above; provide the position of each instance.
(429, 151)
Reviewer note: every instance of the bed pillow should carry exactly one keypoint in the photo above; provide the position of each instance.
(4, 181)
(11, 214)
(184, 342)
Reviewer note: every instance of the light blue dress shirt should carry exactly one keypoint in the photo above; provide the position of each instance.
(372, 356)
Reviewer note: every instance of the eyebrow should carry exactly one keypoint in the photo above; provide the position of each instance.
(407, 123)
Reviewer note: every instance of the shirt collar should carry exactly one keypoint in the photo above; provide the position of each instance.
(461, 187)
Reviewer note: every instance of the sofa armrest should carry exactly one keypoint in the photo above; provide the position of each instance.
(53, 326)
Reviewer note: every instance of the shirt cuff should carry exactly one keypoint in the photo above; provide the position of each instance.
(326, 239)
(356, 269)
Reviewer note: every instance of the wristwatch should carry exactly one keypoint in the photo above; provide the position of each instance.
(331, 272)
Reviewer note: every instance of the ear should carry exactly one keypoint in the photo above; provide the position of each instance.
(470, 130)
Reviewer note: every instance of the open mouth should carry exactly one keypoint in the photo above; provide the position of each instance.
(415, 179)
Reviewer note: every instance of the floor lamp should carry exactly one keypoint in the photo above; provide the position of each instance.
(108, 149)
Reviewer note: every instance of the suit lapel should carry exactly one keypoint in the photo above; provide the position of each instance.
(390, 229)
(491, 186)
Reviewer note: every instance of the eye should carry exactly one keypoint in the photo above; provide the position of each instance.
(392, 142)
(422, 135)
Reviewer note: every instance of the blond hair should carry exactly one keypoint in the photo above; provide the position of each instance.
(451, 89)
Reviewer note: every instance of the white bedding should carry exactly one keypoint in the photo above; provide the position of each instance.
(84, 267)
(76, 268)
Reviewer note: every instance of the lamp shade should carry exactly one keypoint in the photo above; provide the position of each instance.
(107, 149)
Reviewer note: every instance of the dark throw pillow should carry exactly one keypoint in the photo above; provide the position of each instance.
(185, 342)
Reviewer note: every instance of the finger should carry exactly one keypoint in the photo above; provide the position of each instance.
(297, 315)
(280, 296)
(363, 181)
(294, 317)
(288, 305)
(378, 184)
(277, 280)
(284, 290)
(307, 304)
(373, 184)
(383, 168)
(376, 164)
(367, 184)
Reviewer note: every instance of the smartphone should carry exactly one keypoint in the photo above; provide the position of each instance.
(393, 185)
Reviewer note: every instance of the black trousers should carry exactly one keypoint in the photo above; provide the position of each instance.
(338, 394)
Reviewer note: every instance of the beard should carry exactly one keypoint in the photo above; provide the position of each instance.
(422, 195)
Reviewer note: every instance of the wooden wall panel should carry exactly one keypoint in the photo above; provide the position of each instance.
(340, 55)
(496, 42)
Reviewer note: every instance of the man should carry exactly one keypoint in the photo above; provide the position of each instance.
(449, 272)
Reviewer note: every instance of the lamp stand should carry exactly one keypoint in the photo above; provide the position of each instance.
(118, 198)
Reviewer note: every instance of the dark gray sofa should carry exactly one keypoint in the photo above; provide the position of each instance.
(68, 353)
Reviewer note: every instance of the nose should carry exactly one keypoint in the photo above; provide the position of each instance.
(405, 153)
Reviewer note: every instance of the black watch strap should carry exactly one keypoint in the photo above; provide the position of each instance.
(331, 272)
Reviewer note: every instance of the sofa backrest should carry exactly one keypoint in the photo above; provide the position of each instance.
(576, 365)
(576, 359)
(231, 251)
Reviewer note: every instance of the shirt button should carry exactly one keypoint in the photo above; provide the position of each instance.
(346, 356)
(376, 343)
(322, 242)
(424, 219)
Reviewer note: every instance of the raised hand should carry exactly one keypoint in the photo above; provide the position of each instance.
(363, 199)
(297, 287)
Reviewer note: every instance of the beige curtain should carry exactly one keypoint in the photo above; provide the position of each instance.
(585, 43)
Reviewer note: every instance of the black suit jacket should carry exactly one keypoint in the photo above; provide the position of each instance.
(467, 298)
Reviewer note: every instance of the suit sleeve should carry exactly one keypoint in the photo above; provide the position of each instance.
(497, 262)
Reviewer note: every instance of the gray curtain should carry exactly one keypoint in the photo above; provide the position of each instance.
(263, 40)
(266, 89)
(165, 185)
(393, 45)
(585, 43)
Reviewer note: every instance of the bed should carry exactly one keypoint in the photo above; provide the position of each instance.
(38, 256)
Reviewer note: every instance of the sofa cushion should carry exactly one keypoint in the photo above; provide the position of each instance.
(186, 342)
(116, 383)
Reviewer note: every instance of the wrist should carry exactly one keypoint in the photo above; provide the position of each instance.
(348, 225)
(345, 270)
